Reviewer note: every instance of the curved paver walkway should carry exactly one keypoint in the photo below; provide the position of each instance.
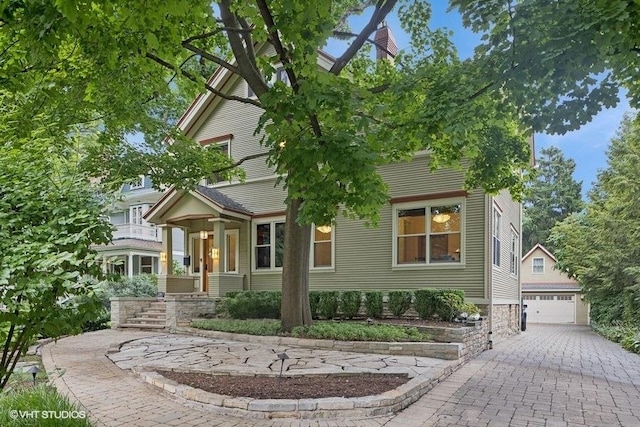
(553, 375)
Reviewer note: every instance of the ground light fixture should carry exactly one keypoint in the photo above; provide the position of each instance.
(33, 370)
(282, 357)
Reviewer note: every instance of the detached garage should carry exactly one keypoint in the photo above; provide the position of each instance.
(550, 295)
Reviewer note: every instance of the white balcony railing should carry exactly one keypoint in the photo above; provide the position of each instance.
(137, 231)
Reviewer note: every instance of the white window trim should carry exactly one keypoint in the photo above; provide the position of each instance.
(142, 210)
(332, 267)
(533, 265)
(236, 233)
(514, 252)
(138, 184)
(254, 241)
(140, 263)
(496, 209)
(427, 204)
(227, 141)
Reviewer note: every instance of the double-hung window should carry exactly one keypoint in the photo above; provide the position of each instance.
(538, 266)
(428, 233)
(513, 254)
(139, 183)
(495, 237)
(221, 144)
(322, 246)
(269, 245)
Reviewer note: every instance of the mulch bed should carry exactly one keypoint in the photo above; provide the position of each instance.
(420, 322)
(298, 387)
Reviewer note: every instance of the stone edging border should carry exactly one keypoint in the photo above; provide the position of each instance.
(446, 351)
(333, 407)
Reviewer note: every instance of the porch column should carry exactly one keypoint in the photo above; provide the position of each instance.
(105, 266)
(129, 264)
(219, 244)
(167, 248)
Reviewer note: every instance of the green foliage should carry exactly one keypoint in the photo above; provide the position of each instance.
(626, 334)
(49, 219)
(399, 302)
(140, 286)
(373, 304)
(442, 303)
(551, 197)
(600, 247)
(346, 331)
(350, 302)
(329, 304)
(314, 303)
(41, 398)
(249, 326)
(254, 305)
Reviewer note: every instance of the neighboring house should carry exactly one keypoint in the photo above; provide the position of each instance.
(550, 295)
(136, 246)
(432, 233)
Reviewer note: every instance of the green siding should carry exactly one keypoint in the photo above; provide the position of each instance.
(505, 285)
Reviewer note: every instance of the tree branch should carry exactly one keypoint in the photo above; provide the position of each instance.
(381, 11)
(373, 42)
(239, 162)
(211, 57)
(207, 86)
(214, 32)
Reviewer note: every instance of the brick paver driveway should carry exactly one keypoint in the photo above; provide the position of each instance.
(550, 375)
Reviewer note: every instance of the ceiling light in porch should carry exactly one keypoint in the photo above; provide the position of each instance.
(203, 234)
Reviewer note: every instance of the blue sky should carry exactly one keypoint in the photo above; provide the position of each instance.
(587, 145)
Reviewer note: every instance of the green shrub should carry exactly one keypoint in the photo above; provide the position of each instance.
(358, 332)
(469, 308)
(373, 304)
(314, 303)
(399, 302)
(350, 302)
(254, 305)
(329, 303)
(443, 303)
(40, 398)
(141, 286)
(251, 326)
(627, 335)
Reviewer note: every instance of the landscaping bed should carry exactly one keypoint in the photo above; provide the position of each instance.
(289, 387)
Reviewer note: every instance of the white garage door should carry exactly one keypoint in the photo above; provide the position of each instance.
(550, 308)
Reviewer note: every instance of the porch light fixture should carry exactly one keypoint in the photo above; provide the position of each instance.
(441, 218)
(163, 257)
(203, 234)
(215, 253)
(324, 229)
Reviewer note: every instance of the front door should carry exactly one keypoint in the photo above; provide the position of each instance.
(207, 262)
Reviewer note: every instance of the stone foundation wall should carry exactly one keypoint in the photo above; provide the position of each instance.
(123, 308)
(474, 338)
(506, 320)
(182, 308)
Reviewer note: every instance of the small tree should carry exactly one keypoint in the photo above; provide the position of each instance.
(49, 218)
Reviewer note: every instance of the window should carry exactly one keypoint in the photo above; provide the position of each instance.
(279, 76)
(546, 297)
(495, 233)
(137, 184)
(269, 245)
(564, 297)
(428, 233)
(513, 254)
(538, 266)
(146, 265)
(231, 251)
(529, 297)
(322, 246)
(223, 147)
(136, 214)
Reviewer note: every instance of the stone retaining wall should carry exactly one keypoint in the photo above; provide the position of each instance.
(474, 339)
(182, 308)
(124, 308)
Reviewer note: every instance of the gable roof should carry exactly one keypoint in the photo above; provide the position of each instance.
(543, 249)
(222, 200)
(210, 196)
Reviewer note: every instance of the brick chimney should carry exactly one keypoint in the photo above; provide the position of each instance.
(384, 37)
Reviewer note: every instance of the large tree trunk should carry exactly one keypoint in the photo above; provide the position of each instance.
(295, 272)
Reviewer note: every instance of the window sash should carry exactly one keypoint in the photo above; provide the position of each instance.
(436, 238)
(322, 248)
(538, 265)
(269, 245)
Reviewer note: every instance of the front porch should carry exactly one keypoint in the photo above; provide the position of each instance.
(216, 232)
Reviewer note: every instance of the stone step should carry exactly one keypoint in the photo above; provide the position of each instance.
(145, 313)
(158, 305)
(141, 326)
(153, 320)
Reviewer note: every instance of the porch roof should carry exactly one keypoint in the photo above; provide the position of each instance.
(222, 200)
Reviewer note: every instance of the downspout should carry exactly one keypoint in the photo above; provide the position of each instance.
(520, 302)
(490, 269)
(249, 241)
